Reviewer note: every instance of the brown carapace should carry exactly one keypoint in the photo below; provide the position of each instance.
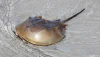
(39, 31)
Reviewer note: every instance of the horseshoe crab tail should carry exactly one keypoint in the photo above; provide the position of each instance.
(73, 16)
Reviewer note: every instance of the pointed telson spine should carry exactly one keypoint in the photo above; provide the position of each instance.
(73, 16)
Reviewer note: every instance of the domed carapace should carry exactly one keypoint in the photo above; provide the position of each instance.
(39, 31)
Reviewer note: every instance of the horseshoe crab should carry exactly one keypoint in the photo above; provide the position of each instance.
(39, 31)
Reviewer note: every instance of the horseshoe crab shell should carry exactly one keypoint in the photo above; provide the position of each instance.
(37, 30)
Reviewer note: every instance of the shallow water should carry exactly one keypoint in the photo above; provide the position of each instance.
(82, 35)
